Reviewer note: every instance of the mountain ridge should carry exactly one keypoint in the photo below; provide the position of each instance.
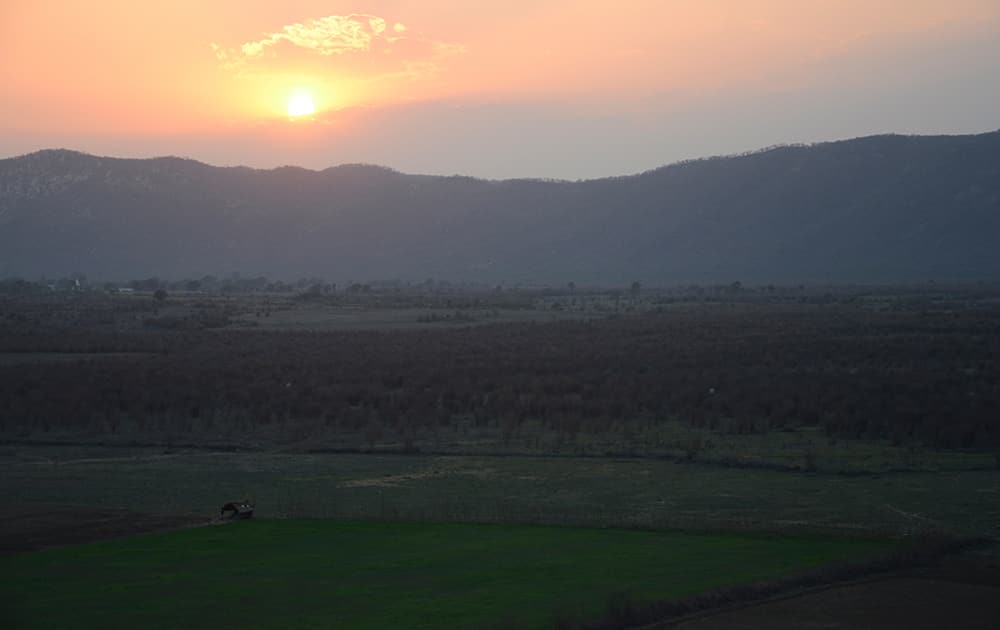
(686, 161)
(877, 208)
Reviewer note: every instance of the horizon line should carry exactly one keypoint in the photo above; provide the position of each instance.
(705, 158)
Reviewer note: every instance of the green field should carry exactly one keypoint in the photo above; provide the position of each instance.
(601, 492)
(357, 574)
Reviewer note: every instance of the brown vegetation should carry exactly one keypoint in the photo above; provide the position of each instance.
(915, 375)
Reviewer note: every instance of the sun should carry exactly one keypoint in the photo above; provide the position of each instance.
(300, 103)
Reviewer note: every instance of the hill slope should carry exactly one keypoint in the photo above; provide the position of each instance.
(880, 208)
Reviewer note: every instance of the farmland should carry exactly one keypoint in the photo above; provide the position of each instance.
(826, 383)
(374, 575)
(845, 420)
(565, 491)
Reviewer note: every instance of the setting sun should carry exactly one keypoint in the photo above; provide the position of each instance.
(300, 103)
(695, 297)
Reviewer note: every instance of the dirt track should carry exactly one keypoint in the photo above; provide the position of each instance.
(32, 527)
(963, 592)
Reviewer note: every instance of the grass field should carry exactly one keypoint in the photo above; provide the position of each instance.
(556, 490)
(354, 574)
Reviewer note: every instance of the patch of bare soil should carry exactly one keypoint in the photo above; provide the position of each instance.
(962, 592)
(33, 527)
(443, 469)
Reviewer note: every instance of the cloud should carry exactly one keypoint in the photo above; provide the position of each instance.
(343, 40)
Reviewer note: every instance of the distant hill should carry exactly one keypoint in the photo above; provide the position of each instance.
(882, 208)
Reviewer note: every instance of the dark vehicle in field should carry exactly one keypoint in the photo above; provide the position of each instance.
(237, 510)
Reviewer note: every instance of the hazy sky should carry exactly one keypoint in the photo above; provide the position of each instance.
(494, 88)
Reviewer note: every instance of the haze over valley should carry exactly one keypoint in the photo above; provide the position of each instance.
(876, 209)
(434, 314)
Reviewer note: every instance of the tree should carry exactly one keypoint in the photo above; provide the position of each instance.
(635, 289)
(160, 295)
(149, 284)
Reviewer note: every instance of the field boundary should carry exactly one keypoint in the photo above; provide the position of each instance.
(663, 615)
(44, 526)
(404, 452)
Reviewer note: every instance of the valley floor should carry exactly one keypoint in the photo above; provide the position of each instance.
(363, 574)
(601, 492)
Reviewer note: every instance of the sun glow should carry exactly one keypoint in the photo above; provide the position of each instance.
(300, 103)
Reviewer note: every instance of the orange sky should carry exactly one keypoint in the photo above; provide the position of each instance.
(212, 79)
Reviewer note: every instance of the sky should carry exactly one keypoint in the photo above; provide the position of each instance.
(489, 88)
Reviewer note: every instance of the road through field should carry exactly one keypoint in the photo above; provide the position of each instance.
(960, 592)
(31, 527)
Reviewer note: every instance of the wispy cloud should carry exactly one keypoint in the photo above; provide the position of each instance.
(358, 39)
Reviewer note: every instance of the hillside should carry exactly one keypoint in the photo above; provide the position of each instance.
(882, 208)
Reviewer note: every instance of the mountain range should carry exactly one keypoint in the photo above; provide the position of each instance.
(875, 209)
